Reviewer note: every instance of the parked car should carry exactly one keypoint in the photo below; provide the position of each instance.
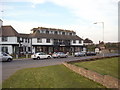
(59, 55)
(40, 55)
(90, 53)
(78, 54)
(5, 57)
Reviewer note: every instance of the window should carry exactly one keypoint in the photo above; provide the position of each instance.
(29, 49)
(47, 32)
(18, 39)
(28, 40)
(79, 41)
(4, 39)
(74, 41)
(48, 41)
(25, 39)
(5, 49)
(70, 33)
(22, 39)
(51, 32)
(42, 31)
(39, 40)
(63, 33)
(56, 32)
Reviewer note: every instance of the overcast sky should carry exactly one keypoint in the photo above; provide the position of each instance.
(77, 15)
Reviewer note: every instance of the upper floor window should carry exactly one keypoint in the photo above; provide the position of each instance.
(47, 40)
(79, 41)
(28, 40)
(4, 39)
(56, 32)
(47, 32)
(18, 39)
(42, 31)
(70, 33)
(39, 40)
(51, 32)
(63, 33)
(74, 41)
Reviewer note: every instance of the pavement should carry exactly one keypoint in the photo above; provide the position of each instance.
(9, 68)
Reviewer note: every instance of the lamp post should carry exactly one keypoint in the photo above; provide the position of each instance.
(103, 31)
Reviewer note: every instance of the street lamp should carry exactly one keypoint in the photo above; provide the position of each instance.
(102, 27)
(103, 31)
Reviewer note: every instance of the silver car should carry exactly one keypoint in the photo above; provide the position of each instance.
(59, 55)
(78, 54)
(5, 57)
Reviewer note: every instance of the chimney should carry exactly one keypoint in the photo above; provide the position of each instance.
(1, 23)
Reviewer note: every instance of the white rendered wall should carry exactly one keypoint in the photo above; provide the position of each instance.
(77, 42)
(34, 42)
(10, 40)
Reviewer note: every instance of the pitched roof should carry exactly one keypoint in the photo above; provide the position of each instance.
(24, 35)
(34, 29)
(88, 41)
(8, 31)
(55, 36)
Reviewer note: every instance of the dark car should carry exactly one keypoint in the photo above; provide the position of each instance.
(90, 53)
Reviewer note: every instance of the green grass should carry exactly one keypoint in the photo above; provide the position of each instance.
(57, 76)
(107, 66)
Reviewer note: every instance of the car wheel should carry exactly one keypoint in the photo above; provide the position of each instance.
(34, 58)
(58, 57)
(9, 59)
(38, 58)
(48, 57)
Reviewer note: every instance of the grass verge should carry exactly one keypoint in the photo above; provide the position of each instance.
(108, 66)
(57, 76)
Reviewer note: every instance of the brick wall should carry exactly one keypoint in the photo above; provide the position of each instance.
(105, 80)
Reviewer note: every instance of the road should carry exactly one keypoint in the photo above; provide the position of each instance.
(8, 68)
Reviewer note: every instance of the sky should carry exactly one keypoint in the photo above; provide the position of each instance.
(76, 15)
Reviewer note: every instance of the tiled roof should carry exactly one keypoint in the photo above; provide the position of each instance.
(52, 29)
(88, 41)
(55, 36)
(24, 35)
(8, 31)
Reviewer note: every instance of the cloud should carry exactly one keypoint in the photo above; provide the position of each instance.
(87, 12)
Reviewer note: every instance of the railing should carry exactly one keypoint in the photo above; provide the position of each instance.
(62, 43)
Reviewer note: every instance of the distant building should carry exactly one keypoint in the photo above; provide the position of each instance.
(87, 41)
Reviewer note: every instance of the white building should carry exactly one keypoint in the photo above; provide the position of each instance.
(43, 39)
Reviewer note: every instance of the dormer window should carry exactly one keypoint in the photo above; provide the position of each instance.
(63, 33)
(47, 32)
(70, 33)
(56, 32)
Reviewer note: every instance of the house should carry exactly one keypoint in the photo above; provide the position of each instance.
(41, 39)
(87, 41)
(51, 40)
(13, 42)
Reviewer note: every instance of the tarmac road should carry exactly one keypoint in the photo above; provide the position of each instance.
(8, 68)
